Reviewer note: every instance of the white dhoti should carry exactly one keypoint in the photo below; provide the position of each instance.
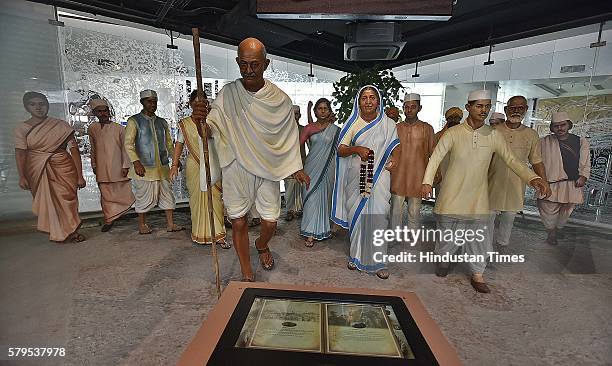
(242, 190)
(153, 193)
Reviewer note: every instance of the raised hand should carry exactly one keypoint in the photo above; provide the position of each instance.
(393, 113)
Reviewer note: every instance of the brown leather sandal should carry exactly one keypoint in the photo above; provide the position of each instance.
(383, 274)
(223, 244)
(248, 279)
(267, 266)
(309, 243)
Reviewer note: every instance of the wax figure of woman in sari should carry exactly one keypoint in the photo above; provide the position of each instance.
(361, 195)
(320, 165)
(189, 134)
(49, 166)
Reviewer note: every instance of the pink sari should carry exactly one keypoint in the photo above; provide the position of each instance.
(52, 176)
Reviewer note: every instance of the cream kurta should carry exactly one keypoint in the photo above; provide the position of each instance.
(256, 129)
(465, 189)
(506, 189)
(108, 159)
(564, 191)
(108, 156)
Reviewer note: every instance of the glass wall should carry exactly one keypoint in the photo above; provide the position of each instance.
(559, 71)
(30, 61)
(87, 58)
(114, 60)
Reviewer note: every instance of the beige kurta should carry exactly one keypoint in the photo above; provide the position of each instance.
(564, 191)
(465, 190)
(416, 146)
(506, 189)
(52, 176)
(109, 158)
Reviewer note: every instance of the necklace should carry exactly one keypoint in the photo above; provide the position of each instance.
(366, 175)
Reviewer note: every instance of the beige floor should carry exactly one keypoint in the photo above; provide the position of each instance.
(128, 299)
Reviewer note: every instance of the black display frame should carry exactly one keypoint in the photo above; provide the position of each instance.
(226, 354)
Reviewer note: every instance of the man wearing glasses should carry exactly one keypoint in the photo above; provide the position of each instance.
(506, 189)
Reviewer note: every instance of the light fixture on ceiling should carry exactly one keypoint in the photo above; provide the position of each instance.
(416, 70)
(599, 42)
(489, 61)
(56, 22)
(172, 46)
(311, 73)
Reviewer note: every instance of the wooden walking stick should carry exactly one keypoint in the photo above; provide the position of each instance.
(204, 136)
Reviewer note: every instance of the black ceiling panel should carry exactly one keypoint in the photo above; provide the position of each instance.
(474, 23)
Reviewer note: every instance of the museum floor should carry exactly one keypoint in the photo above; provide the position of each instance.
(126, 299)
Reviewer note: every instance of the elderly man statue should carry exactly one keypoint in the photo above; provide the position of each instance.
(254, 131)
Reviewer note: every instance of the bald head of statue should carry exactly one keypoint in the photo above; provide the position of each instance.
(252, 61)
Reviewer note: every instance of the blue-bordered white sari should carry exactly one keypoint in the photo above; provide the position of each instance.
(362, 215)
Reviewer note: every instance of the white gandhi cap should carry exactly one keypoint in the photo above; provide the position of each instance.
(560, 117)
(479, 95)
(412, 96)
(95, 103)
(148, 93)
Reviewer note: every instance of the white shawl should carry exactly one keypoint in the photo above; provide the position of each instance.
(257, 129)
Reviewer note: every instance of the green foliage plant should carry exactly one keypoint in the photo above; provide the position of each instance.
(345, 90)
